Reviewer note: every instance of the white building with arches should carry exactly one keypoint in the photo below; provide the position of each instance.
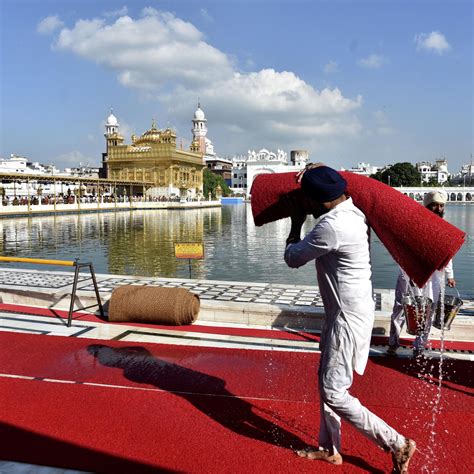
(454, 194)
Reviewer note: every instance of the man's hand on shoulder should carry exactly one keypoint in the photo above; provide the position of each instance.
(309, 166)
(297, 214)
(295, 209)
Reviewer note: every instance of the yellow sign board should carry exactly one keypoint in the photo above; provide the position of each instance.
(189, 250)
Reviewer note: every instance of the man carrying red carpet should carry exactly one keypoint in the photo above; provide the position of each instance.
(339, 245)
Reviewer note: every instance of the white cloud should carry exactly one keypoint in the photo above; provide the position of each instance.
(249, 63)
(331, 67)
(373, 61)
(433, 42)
(205, 14)
(169, 58)
(49, 24)
(147, 53)
(149, 11)
(119, 12)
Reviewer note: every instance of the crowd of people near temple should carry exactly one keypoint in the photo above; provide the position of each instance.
(72, 199)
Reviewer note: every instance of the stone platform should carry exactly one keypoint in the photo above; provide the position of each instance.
(293, 307)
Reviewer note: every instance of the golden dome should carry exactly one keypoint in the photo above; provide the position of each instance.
(152, 135)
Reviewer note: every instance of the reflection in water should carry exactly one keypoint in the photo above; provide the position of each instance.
(142, 243)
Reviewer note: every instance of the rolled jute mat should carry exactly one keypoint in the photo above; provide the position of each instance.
(153, 304)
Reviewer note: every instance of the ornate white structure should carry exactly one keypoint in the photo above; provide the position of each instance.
(111, 124)
(465, 177)
(200, 131)
(437, 172)
(219, 166)
(246, 168)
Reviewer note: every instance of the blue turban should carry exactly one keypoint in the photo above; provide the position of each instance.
(323, 184)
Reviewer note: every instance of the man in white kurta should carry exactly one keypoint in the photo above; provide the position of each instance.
(434, 201)
(339, 245)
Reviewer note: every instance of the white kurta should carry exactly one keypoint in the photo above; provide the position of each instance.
(339, 244)
(432, 290)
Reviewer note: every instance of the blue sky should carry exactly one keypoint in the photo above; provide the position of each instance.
(372, 81)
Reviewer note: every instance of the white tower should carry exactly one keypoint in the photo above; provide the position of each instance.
(200, 129)
(111, 125)
(112, 139)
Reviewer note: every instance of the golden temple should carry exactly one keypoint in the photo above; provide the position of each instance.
(154, 157)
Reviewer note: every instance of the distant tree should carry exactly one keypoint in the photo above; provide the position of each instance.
(433, 181)
(399, 174)
(377, 175)
(210, 182)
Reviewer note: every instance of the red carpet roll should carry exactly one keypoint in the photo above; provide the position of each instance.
(418, 240)
(153, 304)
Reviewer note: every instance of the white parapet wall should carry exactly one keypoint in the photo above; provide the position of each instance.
(455, 194)
(99, 207)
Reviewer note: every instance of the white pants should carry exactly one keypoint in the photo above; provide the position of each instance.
(397, 319)
(335, 378)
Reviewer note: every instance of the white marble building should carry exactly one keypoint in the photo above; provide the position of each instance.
(437, 172)
(28, 186)
(20, 164)
(364, 169)
(246, 168)
(24, 186)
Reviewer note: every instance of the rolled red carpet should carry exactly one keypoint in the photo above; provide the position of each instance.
(418, 240)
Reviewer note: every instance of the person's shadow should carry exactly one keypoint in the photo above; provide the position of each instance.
(205, 392)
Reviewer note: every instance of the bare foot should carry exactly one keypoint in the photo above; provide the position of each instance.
(320, 455)
(402, 457)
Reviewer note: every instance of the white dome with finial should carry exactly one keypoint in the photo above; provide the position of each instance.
(199, 114)
(112, 119)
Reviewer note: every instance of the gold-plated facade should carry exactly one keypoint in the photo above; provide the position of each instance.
(154, 157)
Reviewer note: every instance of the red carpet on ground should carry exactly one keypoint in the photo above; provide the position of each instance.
(418, 240)
(132, 407)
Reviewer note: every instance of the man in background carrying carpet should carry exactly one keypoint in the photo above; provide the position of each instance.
(340, 246)
(434, 201)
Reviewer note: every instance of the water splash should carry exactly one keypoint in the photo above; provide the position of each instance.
(434, 402)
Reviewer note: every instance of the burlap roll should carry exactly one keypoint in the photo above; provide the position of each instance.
(152, 304)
